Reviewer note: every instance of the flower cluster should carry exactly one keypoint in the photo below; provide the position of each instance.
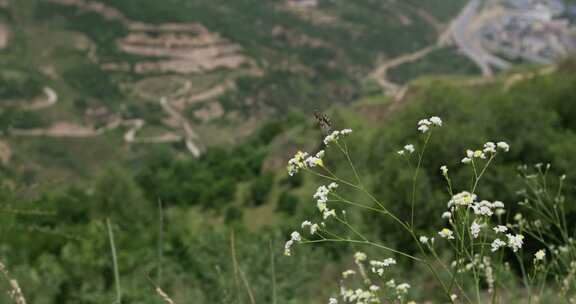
(359, 296)
(321, 197)
(463, 198)
(370, 293)
(540, 255)
(489, 148)
(446, 233)
(486, 208)
(313, 227)
(378, 266)
(407, 148)
(425, 124)
(515, 242)
(475, 229)
(302, 160)
(400, 289)
(482, 211)
(294, 237)
(335, 135)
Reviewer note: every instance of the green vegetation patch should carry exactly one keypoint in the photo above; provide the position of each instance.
(441, 61)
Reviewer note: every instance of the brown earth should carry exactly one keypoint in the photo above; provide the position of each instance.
(212, 111)
(5, 152)
(4, 35)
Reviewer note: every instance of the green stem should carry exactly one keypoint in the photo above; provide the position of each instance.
(114, 262)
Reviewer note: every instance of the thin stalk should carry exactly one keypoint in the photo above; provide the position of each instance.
(160, 241)
(114, 262)
(415, 177)
(273, 270)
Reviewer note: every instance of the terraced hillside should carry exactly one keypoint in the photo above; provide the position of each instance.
(188, 74)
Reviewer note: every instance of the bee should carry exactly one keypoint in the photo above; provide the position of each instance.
(323, 122)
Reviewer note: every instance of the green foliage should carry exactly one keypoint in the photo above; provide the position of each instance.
(93, 82)
(261, 188)
(23, 88)
(152, 113)
(532, 117)
(20, 119)
(287, 203)
(212, 180)
(442, 61)
(103, 32)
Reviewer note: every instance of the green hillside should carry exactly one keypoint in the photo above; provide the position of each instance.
(244, 188)
(144, 146)
(223, 65)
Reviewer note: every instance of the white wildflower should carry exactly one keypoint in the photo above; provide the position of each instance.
(479, 154)
(466, 160)
(453, 297)
(327, 213)
(313, 161)
(335, 135)
(294, 237)
(482, 209)
(423, 128)
(332, 186)
(332, 301)
(401, 152)
(435, 120)
(314, 228)
(497, 244)
(515, 242)
(409, 148)
(378, 266)
(446, 233)
(424, 122)
(389, 261)
(321, 194)
(374, 288)
(348, 273)
(332, 137)
(446, 215)
(500, 212)
(475, 229)
(359, 257)
(540, 255)
(503, 146)
(402, 288)
(297, 162)
(489, 147)
(500, 229)
(463, 198)
(444, 170)
(424, 239)
(498, 204)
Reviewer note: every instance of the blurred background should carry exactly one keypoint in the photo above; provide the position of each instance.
(174, 119)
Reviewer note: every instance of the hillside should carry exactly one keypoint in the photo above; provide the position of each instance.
(245, 189)
(144, 148)
(93, 73)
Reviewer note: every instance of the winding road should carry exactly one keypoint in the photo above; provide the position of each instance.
(72, 130)
(469, 43)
